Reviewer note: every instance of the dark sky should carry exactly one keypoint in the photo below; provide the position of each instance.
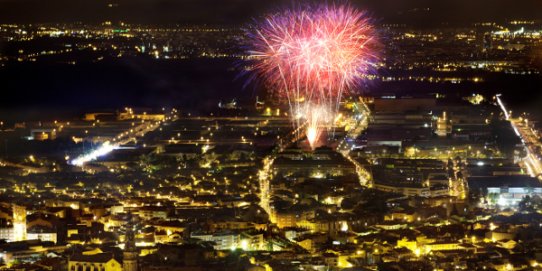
(240, 11)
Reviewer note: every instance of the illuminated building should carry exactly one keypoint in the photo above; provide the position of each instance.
(411, 177)
(286, 220)
(24, 251)
(444, 125)
(505, 191)
(413, 190)
(410, 244)
(444, 245)
(323, 161)
(97, 262)
(141, 116)
(130, 253)
(43, 134)
(223, 240)
(153, 212)
(498, 235)
(6, 233)
(45, 234)
(19, 223)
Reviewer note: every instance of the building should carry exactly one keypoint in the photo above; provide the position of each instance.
(43, 134)
(27, 251)
(6, 233)
(402, 104)
(413, 190)
(19, 223)
(130, 253)
(46, 234)
(323, 161)
(505, 190)
(444, 125)
(222, 240)
(96, 262)
(411, 177)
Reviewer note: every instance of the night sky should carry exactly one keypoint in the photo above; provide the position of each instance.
(154, 83)
(239, 11)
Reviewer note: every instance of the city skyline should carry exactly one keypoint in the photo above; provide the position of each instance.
(161, 135)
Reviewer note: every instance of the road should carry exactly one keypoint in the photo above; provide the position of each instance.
(123, 138)
(265, 174)
(532, 146)
(345, 146)
(531, 142)
(27, 168)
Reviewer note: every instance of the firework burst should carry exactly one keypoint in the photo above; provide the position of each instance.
(312, 56)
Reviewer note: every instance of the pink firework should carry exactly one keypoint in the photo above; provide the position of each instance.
(312, 56)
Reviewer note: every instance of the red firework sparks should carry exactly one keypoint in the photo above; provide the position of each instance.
(313, 55)
(322, 49)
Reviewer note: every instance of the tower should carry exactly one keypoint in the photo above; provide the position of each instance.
(444, 125)
(487, 43)
(130, 254)
(19, 223)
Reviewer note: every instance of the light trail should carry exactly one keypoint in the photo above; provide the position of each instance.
(122, 139)
(103, 150)
(362, 121)
(531, 163)
(24, 167)
(503, 108)
(507, 115)
(529, 168)
(535, 167)
(264, 176)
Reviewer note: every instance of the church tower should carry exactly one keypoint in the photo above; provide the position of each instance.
(130, 253)
(19, 223)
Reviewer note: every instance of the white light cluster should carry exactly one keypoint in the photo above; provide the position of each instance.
(104, 149)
